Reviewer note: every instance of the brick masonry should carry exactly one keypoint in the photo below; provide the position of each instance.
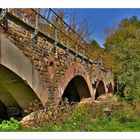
(56, 68)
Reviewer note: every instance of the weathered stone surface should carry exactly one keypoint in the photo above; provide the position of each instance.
(88, 101)
(35, 118)
(13, 61)
(102, 98)
(105, 97)
(56, 76)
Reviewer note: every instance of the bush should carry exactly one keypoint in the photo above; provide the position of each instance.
(10, 125)
(86, 117)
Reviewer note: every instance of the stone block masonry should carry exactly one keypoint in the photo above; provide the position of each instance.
(63, 71)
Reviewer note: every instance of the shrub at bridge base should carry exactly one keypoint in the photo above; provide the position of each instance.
(97, 116)
(11, 125)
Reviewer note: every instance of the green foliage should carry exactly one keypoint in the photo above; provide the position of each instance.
(95, 44)
(88, 117)
(79, 120)
(124, 46)
(122, 51)
(11, 125)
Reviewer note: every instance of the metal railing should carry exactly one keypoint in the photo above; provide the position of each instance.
(55, 27)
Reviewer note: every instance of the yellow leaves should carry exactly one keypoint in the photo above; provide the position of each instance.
(120, 35)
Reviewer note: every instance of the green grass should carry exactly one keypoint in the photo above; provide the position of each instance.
(86, 118)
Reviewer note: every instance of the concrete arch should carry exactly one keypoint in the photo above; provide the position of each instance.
(77, 76)
(15, 93)
(13, 59)
(100, 89)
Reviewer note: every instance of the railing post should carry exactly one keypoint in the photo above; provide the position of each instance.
(2, 14)
(67, 49)
(55, 38)
(83, 55)
(48, 14)
(55, 42)
(34, 38)
(100, 63)
(76, 52)
(3, 19)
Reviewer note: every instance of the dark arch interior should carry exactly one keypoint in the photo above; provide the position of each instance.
(100, 89)
(71, 93)
(3, 111)
(110, 88)
(76, 90)
(6, 112)
(15, 94)
(51, 64)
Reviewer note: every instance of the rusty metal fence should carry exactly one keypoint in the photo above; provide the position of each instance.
(53, 26)
(50, 24)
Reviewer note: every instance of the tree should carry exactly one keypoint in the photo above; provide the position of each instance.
(95, 44)
(124, 45)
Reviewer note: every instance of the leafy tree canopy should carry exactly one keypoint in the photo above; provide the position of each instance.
(124, 46)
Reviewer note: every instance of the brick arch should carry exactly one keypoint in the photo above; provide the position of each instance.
(100, 89)
(74, 74)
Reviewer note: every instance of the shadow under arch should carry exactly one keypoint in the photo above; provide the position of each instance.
(100, 89)
(3, 111)
(76, 89)
(15, 93)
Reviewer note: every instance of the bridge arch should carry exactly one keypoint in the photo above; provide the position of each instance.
(15, 93)
(74, 82)
(15, 63)
(100, 89)
(76, 89)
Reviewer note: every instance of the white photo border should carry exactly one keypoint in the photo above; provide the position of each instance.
(70, 4)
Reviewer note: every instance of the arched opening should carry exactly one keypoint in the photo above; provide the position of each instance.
(8, 105)
(51, 64)
(15, 94)
(100, 89)
(110, 88)
(76, 89)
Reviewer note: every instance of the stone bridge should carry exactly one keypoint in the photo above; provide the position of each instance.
(40, 60)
